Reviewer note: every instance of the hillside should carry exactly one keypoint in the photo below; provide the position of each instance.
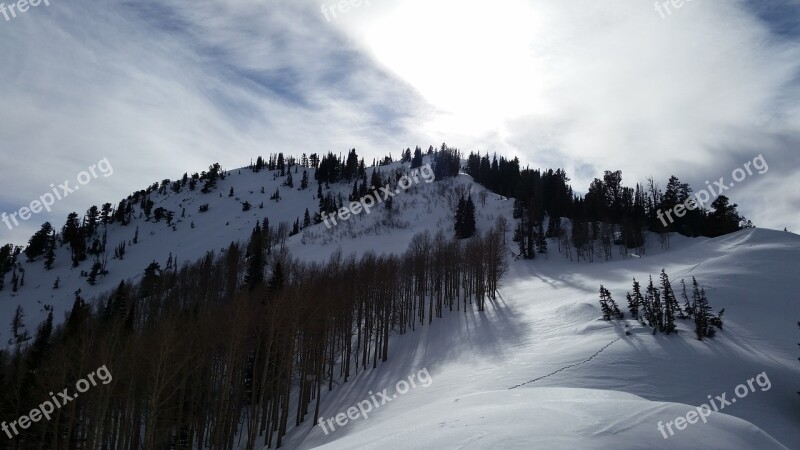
(577, 381)
(548, 319)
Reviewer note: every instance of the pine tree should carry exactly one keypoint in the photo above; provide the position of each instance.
(276, 281)
(17, 325)
(670, 303)
(702, 312)
(541, 240)
(304, 180)
(613, 305)
(50, 252)
(458, 219)
(655, 309)
(417, 160)
(687, 312)
(635, 301)
(306, 219)
(38, 243)
(717, 320)
(604, 304)
(78, 315)
(255, 259)
(465, 218)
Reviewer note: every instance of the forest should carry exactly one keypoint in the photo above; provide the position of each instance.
(233, 348)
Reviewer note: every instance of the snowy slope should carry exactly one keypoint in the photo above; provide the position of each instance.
(594, 386)
(547, 320)
(424, 206)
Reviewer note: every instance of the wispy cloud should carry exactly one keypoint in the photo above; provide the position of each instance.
(164, 86)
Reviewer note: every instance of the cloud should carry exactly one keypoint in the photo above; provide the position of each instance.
(591, 86)
(162, 87)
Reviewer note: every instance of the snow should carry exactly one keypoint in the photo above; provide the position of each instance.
(582, 382)
(605, 389)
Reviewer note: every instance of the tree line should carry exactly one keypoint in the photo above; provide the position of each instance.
(233, 348)
(625, 212)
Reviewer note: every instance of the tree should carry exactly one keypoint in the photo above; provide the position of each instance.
(78, 316)
(670, 303)
(687, 312)
(654, 312)
(276, 281)
(608, 306)
(50, 251)
(304, 181)
(604, 306)
(38, 243)
(255, 259)
(17, 327)
(724, 218)
(96, 269)
(465, 218)
(541, 239)
(702, 312)
(417, 160)
(635, 301)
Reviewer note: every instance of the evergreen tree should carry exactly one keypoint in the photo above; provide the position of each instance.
(635, 301)
(655, 310)
(604, 306)
(670, 303)
(469, 217)
(417, 160)
(304, 180)
(50, 251)
(687, 312)
(17, 327)
(615, 312)
(608, 306)
(78, 315)
(38, 243)
(702, 313)
(256, 260)
(96, 268)
(276, 281)
(464, 218)
(541, 239)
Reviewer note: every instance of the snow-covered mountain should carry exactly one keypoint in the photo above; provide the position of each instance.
(596, 386)
(538, 368)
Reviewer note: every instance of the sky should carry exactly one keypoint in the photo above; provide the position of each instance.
(156, 88)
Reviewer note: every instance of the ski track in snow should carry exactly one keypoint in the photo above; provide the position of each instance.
(569, 366)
